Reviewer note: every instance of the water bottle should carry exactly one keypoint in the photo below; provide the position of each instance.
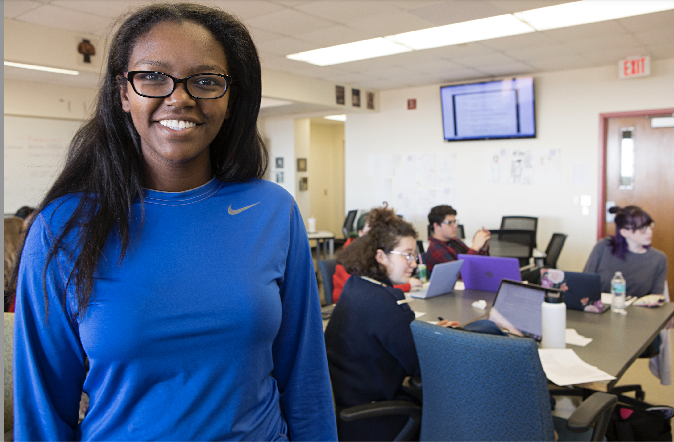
(553, 312)
(618, 290)
(422, 272)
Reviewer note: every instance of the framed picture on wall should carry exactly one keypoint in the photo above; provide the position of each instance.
(279, 162)
(339, 94)
(355, 97)
(301, 164)
(304, 184)
(279, 177)
(370, 100)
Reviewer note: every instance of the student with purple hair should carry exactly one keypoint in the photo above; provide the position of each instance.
(629, 251)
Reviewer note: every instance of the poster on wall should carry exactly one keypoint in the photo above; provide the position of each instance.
(497, 162)
(548, 167)
(521, 167)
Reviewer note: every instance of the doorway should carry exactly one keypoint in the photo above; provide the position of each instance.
(638, 169)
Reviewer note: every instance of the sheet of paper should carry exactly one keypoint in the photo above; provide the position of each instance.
(562, 366)
(418, 315)
(572, 337)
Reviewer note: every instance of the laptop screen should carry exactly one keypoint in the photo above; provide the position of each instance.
(517, 309)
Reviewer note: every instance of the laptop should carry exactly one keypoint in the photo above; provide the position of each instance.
(443, 279)
(582, 291)
(517, 308)
(486, 272)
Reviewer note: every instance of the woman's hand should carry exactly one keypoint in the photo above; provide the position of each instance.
(448, 323)
(415, 283)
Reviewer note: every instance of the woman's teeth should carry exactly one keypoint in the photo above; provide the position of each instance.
(177, 124)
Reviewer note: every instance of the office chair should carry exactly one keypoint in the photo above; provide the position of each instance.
(513, 244)
(488, 387)
(460, 232)
(553, 250)
(520, 223)
(420, 247)
(327, 269)
(347, 227)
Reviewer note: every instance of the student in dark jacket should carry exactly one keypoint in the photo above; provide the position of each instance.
(369, 342)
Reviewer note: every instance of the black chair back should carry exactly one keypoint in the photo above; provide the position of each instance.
(459, 232)
(513, 244)
(348, 222)
(327, 269)
(520, 223)
(554, 250)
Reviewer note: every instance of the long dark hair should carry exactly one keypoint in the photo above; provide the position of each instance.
(105, 165)
(630, 217)
(386, 230)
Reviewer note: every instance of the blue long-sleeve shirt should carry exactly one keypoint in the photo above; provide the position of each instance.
(209, 329)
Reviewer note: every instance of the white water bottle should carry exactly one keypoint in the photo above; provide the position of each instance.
(618, 290)
(311, 225)
(553, 319)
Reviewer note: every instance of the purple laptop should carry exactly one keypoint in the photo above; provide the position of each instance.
(486, 272)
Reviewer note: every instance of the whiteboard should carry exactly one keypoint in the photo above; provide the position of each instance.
(35, 150)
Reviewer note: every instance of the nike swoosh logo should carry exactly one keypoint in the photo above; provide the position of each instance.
(237, 211)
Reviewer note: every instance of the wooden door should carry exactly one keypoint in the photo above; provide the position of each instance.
(652, 183)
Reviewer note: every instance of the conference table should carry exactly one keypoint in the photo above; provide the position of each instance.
(325, 242)
(617, 340)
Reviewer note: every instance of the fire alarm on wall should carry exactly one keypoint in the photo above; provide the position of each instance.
(411, 104)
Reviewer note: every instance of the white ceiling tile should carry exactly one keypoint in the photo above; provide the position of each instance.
(611, 56)
(406, 5)
(541, 53)
(246, 9)
(647, 22)
(445, 13)
(560, 63)
(332, 36)
(79, 22)
(660, 51)
(279, 63)
(345, 11)
(475, 61)
(289, 22)
(510, 6)
(14, 8)
(260, 35)
(599, 44)
(389, 23)
(522, 41)
(507, 69)
(284, 46)
(109, 8)
(656, 36)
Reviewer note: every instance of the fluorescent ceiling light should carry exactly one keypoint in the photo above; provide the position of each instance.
(559, 16)
(41, 68)
(590, 11)
(359, 50)
(457, 33)
(341, 117)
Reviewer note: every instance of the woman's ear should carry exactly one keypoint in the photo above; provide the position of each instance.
(124, 96)
(625, 233)
(381, 257)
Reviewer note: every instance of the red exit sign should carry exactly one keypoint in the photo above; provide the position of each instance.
(635, 67)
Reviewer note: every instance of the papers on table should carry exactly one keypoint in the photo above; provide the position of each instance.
(562, 366)
(573, 338)
(418, 315)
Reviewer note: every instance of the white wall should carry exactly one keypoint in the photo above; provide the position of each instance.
(568, 104)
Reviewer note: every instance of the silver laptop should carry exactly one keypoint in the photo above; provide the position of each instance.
(443, 279)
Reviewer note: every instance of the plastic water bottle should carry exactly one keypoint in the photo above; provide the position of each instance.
(618, 290)
(553, 319)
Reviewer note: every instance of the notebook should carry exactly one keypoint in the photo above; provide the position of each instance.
(486, 272)
(517, 308)
(443, 279)
(582, 291)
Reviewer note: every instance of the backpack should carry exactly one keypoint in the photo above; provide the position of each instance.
(637, 420)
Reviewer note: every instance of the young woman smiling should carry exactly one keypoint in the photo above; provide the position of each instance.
(146, 258)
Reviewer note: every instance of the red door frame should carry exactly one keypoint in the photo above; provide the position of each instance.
(603, 123)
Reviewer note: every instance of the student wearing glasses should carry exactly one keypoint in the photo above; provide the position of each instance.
(444, 245)
(629, 251)
(162, 259)
(368, 339)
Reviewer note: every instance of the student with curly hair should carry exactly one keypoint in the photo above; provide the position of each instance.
(161, 258)
(368, 339)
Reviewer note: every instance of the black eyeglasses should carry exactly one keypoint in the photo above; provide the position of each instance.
(159, 85)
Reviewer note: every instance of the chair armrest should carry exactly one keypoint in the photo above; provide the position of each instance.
(593, 411)
(383, 408)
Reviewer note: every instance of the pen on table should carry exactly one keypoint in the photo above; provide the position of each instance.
(440, 318)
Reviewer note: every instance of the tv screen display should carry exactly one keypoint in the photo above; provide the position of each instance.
(489, 110)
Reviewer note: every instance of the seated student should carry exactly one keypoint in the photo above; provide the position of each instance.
(13, 231)
(444, 245)
(368, 339)
(341, 275)
(629, 251)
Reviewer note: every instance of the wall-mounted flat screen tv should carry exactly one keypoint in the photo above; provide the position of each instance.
(489, 110)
